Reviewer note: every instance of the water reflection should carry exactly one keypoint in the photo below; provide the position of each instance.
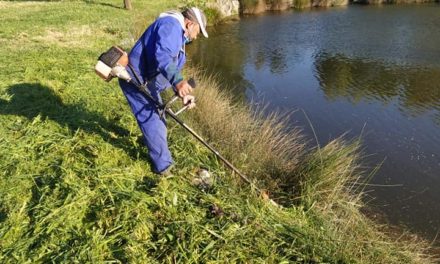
(223, 57)
(275, 58)
(416, 89)
(371, 71)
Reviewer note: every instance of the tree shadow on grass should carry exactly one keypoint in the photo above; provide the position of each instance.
(103, 4)
(33, 99)
(30, 100)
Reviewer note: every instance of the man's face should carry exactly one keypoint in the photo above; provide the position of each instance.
(193, 30)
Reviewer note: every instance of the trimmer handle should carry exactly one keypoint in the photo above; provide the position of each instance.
(191, 82)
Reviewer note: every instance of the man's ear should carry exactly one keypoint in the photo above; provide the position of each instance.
(192, 23)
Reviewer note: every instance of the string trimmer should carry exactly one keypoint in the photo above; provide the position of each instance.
(113, 63)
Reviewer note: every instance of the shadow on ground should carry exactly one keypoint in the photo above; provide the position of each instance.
(33, 99)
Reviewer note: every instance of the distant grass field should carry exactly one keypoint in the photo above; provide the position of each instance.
(76, 185)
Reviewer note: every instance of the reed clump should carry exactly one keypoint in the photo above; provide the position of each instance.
(262, 145)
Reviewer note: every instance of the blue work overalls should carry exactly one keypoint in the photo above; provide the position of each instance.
(157, 57)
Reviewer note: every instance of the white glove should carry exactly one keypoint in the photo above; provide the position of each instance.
(189, 100)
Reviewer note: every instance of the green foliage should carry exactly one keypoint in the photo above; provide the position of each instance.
(249, 4)
(196, 3)
(299, 4)
(213, 16)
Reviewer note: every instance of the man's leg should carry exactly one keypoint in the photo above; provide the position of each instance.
(153, 128)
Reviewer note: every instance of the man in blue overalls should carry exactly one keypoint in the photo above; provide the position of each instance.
(158, 58)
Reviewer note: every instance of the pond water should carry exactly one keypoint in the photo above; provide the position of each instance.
(366, 71)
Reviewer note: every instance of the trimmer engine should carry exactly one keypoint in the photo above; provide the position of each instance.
(112, 64)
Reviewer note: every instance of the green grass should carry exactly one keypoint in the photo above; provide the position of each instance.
(76, 185)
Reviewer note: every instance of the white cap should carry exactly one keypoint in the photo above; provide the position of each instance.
(199, 15)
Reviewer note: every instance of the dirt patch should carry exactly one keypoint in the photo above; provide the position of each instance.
(75, 36)
(5, 4)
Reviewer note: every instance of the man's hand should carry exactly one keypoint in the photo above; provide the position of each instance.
(183, 88)
(189, 100)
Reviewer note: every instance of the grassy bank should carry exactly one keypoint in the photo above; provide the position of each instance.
(76, 186)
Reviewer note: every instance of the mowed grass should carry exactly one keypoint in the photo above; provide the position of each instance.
(76, 185)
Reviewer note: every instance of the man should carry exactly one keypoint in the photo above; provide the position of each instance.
(158, 58)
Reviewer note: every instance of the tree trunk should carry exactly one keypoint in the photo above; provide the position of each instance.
(127, 4)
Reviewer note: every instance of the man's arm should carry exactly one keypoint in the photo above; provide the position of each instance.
(168, 45)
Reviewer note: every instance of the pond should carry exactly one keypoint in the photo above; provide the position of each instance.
(359, 71)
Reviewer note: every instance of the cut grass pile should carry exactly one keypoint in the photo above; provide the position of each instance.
(76, 185)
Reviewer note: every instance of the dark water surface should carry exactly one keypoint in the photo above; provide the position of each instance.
(369, 71)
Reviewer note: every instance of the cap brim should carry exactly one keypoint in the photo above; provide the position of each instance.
(205, 34)
(200, 21)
